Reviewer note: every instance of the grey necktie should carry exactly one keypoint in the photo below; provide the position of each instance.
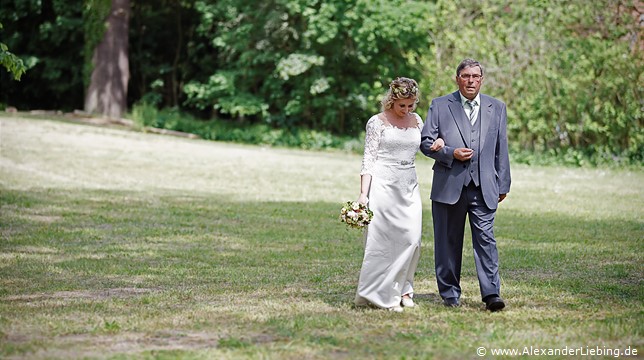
(471, 104)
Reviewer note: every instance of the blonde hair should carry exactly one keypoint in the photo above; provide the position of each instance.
(400, 88)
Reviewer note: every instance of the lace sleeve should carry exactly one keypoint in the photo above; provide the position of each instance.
(371, 144)
(419, 121)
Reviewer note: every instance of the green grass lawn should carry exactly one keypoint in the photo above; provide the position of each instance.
(118, 244)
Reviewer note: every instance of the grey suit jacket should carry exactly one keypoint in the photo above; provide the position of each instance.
(446, 119)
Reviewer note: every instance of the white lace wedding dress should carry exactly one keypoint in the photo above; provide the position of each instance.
(392, 239)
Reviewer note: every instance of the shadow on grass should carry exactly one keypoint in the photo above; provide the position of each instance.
(55, 240)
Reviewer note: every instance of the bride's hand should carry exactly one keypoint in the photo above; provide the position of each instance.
(363, 199)
(437, 145)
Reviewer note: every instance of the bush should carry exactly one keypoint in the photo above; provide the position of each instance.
(146, 115)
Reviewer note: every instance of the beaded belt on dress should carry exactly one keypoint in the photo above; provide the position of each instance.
(398, 162)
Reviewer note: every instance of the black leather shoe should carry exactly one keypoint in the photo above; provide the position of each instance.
(494, 303)
(451, 302)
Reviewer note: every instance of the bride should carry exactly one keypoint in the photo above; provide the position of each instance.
(390, 187)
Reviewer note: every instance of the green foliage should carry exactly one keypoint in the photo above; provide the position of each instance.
(570, 72)
(48, 37)
(146, 115)
(312, 64)
(165, 52)
(11, 62)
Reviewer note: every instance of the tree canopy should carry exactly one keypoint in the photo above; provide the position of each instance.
(11, 62)
(570, 72)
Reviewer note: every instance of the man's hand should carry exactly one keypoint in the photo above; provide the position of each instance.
(463, 154)
(502, 196)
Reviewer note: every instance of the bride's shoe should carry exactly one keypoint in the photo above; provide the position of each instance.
(407, 302)
(397, 309)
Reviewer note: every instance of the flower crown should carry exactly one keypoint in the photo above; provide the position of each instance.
(404, 91)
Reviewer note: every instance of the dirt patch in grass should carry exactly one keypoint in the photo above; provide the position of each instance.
(89, 346)
(82, 294)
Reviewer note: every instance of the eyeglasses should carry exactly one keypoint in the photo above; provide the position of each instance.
(475, 77)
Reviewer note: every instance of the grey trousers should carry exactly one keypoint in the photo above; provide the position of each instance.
(449, 229)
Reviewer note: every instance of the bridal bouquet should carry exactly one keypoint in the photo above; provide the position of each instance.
(355, 215)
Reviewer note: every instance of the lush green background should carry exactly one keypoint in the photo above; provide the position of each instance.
(569, 71)
(119, 244)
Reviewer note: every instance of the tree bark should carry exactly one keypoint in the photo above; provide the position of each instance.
(107, 91)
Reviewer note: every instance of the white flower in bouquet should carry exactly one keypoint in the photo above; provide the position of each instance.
(355, 215)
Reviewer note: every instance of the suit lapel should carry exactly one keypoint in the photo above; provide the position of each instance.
(458, 114)
(485, 117)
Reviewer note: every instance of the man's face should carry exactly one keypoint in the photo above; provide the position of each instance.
(469, 81)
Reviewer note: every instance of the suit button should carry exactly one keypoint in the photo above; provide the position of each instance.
(464, 166)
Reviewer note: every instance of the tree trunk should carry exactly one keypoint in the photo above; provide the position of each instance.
(107, 92)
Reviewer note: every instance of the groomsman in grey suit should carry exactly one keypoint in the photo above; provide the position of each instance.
(471, 177)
